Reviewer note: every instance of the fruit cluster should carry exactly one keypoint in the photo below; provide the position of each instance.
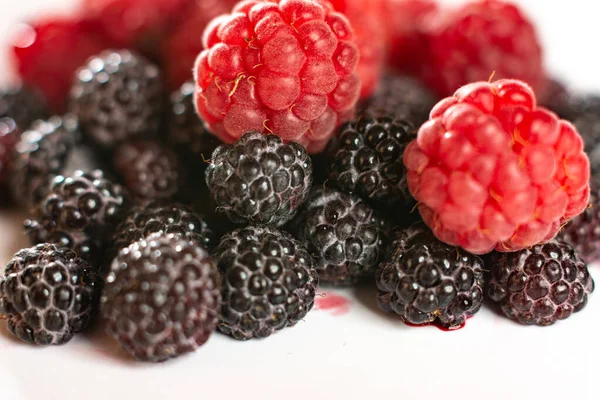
(199, 165)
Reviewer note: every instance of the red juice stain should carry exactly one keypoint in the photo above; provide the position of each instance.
(441, 328)
(454, 328)
(334, 303)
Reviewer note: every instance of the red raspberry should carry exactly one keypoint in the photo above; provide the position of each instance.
(481, 38)
(365, 17)
(407, 22)
(48, 52)
(137, 24)
(285, 67)
(491, 169)
(182, 46)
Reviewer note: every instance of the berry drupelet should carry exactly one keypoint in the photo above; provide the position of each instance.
(269, 282)
(117, 96)
(259, 179)
(80, 212)
(187, 134)
(167, 218)
(401, 97)
(492, 170)
(48, 294)
(39, 156)
(286, 67)
(367, 161)
(539, 285)
(148, 169)
(23, 105)
(583, 231)
(366, 20)
(175, 284)
(344, 234)
(426, 281)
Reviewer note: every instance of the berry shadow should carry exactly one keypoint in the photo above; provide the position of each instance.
(366, 295)
(106, 346)
(102, 344)
(494, 308)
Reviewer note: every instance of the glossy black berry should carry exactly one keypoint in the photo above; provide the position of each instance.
(39, 156)
(269, 282)
(167, 218)
(80, 212)
(586, 117)
(48, 294)
(426, 281)
(162, 297)
(367, 161)
(187, 134)
(345, 235)
(259, 179)
(149, 170)
(402, 98)
(118, 95)
(23, 105)
(539, 285)
(583, 231)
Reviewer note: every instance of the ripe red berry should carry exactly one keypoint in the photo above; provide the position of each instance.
(285, 67)
(48, 52)
(137, 24)
(407, 22)
(482, 38)
(366, 19)
(181, 47)
(492, 170)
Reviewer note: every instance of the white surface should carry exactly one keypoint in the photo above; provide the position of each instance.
(358, 355)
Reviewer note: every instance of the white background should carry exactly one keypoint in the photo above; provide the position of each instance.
(336, 355)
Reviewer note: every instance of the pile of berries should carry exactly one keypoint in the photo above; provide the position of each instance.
(177, 186)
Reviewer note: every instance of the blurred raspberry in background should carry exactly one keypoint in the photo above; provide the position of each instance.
(136, 24)
(479, 40)
(406, 24)
(48, 51)
(450, 46)
(181, 46)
